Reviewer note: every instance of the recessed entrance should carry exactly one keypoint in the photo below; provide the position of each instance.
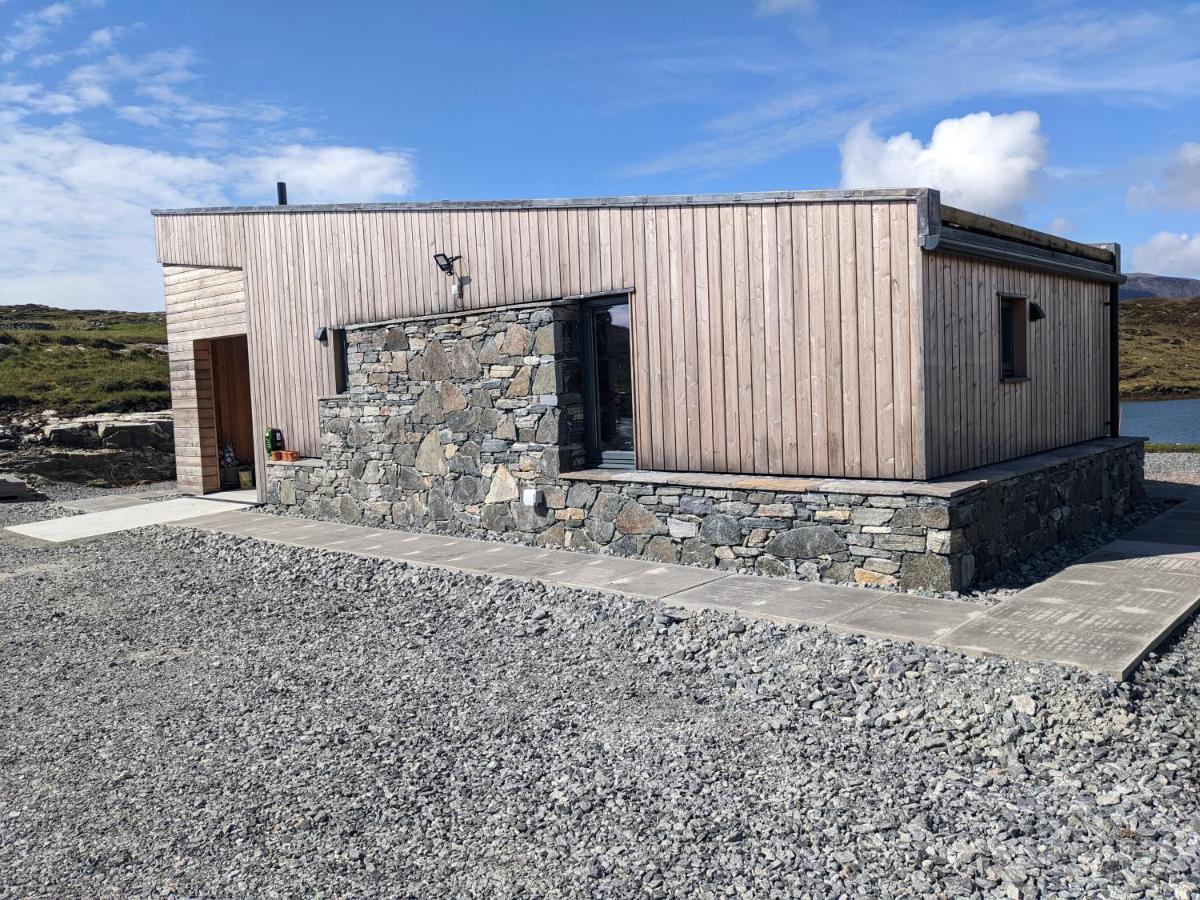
(233, 427)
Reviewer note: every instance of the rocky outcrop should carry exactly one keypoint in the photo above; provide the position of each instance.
(105, 449)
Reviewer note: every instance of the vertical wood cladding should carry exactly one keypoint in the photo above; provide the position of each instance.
(975, 417)
(774, 337)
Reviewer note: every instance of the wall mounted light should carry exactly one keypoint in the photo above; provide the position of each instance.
(1035, 313)
(322, 334)
(446, 264)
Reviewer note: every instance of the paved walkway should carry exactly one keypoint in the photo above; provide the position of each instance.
(899, 616)
(1106, 612)
(112, 517)
(1103, 614)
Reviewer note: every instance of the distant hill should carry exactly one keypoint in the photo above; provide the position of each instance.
(1160, 348)
(1141, 284)
(80, 361)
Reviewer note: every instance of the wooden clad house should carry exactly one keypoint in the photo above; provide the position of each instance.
(855, 334)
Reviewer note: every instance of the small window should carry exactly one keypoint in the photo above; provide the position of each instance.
(1014, 329)
(608, 383)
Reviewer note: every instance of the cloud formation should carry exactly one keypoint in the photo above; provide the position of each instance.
(1168, 253)
(77, 230)
(983, 162)
(1178, 186)
(811, 88)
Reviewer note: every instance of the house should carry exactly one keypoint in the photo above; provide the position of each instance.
(863, 386)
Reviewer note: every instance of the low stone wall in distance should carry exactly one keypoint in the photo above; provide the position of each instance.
(447, 421)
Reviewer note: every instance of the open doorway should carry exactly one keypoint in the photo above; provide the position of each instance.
(231, 411)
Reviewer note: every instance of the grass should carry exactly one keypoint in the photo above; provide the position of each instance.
(1172, 448)
(1160, 349)
(81, 361)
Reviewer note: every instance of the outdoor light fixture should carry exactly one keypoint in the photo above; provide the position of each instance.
(1035, 313)
(446, 264)
(322, 334)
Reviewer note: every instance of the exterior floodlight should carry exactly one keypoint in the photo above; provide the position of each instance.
(1036, 313)
(321, 334)
(446, 263)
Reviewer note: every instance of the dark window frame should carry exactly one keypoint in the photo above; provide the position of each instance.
(1014, 346)
(596, 455)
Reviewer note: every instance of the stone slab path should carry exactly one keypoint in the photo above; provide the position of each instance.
(875, 613)
(1103, 614)
(1106, 612)
(123, 518)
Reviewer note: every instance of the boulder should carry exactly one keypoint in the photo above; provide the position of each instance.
(503, 487)
(158, 436)
(806, 542)
(71, 434)
(721, 529)
(431, 459)
(635, 519)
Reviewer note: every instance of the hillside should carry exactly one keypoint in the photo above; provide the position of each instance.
(1140, 284)
(81, 361)
(1160, 349)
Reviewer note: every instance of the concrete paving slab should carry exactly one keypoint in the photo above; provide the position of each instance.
(596, 571)
(1179, 535)
(1141, 561)
(103, 504)
(1126, 620)
(1141, 578)
(1118, 591)
(909, 617)
(1103, 654)
(657, 582)
(779, 600)
(1152, 549)
(90, 525)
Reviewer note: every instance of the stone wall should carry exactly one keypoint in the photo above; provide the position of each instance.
(446, 421)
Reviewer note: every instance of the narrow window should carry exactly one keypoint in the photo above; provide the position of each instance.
(1014, 328)
(608, 383)
(341, 370)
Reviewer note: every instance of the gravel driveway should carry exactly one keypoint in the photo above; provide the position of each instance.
(200, 715)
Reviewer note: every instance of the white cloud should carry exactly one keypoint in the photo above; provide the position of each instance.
(330, 174)
(811, 90)
(76, 229)
(1061, 225)
(33, 28)
(1168, 253)
(982, 162)
(1179, 186)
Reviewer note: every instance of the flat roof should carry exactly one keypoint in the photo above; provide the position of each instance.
(950, 216)
(568, 202)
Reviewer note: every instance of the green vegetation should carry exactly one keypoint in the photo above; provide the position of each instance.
(81, 361)
(1172, 448)
(1160, 349)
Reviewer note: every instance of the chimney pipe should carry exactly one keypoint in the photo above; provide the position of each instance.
(281, 192)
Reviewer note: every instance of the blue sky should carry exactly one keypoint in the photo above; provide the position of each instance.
(1081, 119)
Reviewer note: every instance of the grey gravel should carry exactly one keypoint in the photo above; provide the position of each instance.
(1181, 467)
(193, 714)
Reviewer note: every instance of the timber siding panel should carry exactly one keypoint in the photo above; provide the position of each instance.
(769, 337)
(973, 417)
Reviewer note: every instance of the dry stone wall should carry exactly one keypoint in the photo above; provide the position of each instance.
(447, 421)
